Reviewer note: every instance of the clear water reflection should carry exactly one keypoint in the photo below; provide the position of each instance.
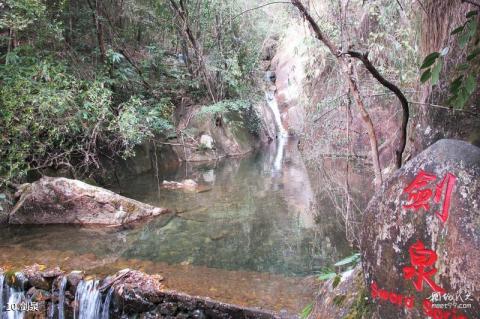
(250, 223)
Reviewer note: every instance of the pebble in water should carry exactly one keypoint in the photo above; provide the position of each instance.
(88, 300)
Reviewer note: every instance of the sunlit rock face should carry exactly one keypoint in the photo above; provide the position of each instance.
(53, 200)
(289, 65)
(421, 239)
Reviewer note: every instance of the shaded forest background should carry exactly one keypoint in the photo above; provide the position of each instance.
(86, 79)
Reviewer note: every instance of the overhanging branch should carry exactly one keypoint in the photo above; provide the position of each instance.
(392, 87)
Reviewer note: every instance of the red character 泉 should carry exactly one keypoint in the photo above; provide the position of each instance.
(419, 195)
(420, 259)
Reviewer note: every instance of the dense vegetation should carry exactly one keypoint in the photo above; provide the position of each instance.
(84, 79)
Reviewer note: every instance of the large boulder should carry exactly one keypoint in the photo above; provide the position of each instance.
(65, 201)
(421, 240)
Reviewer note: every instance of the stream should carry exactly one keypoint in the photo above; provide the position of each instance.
(255, 235)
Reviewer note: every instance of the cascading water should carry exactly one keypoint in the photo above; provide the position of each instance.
(88, 299)
(61, 298)
(51, 310)
(15, 299)
(106, 305)
(282, 134)
(272, 103)
(1, 294)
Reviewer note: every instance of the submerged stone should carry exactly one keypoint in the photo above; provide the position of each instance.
(421, 239)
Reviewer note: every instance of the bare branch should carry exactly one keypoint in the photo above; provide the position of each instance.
(350, 77)
(392, 87)
(256, 8)
(475, 3)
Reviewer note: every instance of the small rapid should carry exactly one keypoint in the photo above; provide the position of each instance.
(15, 299)
(1, 294)
(61, 298)
(88, 300)
(106, 305)
(282, 134)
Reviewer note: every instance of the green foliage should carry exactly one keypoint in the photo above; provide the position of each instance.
(235, 113)
(62, 104)
(329, 273)
(50, 118)
(391, 43)
(19, 14)
(353, 259)
(306, 311)
(464, 85)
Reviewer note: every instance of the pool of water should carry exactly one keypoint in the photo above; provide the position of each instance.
(254, 234)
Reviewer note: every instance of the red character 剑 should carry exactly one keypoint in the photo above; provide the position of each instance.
(421, 259)
(419, 195)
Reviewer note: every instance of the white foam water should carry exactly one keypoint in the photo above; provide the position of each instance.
(61, 298)
(106, 305)
(1, 294)
(15, 299)
(88, 300)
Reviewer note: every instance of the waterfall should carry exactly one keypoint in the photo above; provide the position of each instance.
(282, 133)
(15, 298)
(106, 305)
(61, 298)
(1, 294)
(88, 299)
(277, 163)
(272, 103)
(51, 310)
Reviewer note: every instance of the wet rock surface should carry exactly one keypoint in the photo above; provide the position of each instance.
(132, 293)
(421, 240)
(65, 201)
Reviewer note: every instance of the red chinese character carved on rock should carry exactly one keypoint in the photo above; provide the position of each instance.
(449, 179)
(420, 259)
(419, 196)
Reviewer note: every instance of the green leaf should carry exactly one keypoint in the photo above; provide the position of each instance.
(306, 311)
(471, 14)
(463, 39)
(456, 84)
(326, 276)
(425, 76)
(463, 67)
(351, 259)
(472, 27)
(457, 30)
(462, 98)
(470, 84)
(436, 72)
(474, 53)
(429, 60)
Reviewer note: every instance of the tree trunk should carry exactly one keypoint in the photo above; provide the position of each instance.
(348, 71)
(98, 29)
(185, 28)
